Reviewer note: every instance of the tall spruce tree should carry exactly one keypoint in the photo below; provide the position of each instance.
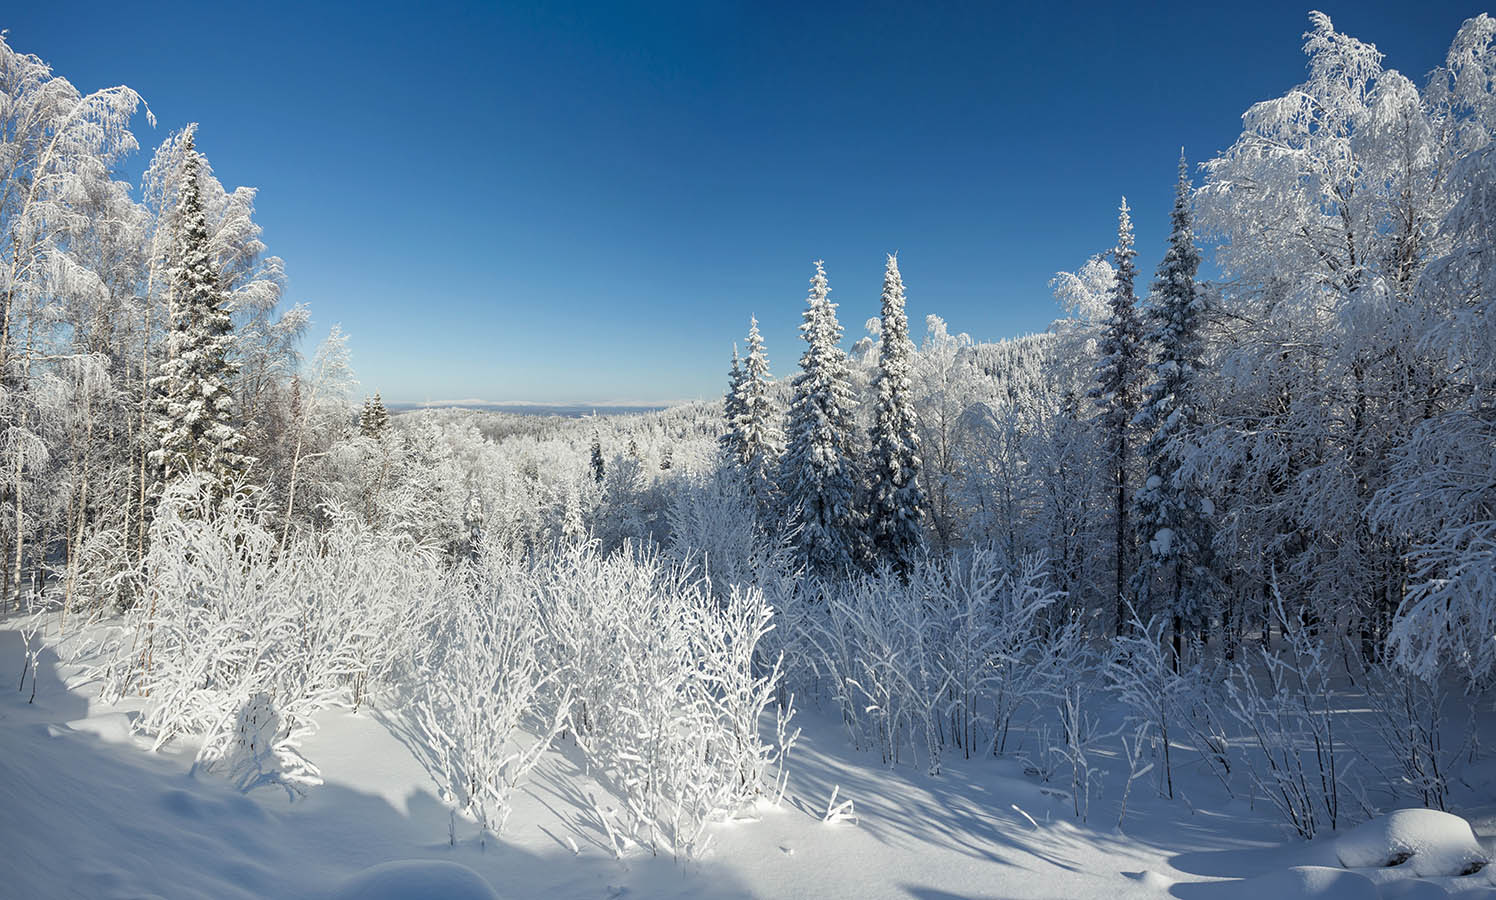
(761, 443)
(1118, 391)
(599, 469)
(818, 476)
(731, 439)
(897, 505)
(194, 422)
(1175, 576)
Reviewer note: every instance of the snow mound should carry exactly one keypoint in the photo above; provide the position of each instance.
(416, 879)
(1150, 879)
(1413, 889)
(114, 728)
(1306, 883)
(1429, 841)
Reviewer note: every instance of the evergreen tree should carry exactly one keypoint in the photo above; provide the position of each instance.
(760, 442)
(598, 469)
(1118, 391)
(194, 424)
(818, 475)
(1175, 575)
(374, 419)
(731, 440)
(897, 503)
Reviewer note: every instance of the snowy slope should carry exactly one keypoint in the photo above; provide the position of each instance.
(90, 812)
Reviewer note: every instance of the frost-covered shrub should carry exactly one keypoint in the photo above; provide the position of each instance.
(946, 656)
(1024, 658)
(477, 681)
(1408, 716)
(1142, 677)
(712, 522)
(1288, 714)
(1081, 731)
(225, 616)
(668, 691)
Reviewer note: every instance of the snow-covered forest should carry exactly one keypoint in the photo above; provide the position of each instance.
(1210, 561)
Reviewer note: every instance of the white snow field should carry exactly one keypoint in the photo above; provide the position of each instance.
(90, 811)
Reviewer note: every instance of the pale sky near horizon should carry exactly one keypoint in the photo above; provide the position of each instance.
(561, 203)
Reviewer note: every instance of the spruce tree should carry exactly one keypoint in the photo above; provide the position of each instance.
(1118, 391)
(897, 505)
(731, 440)
(1175, 576)
(760, 442)
(374, 419)
(818, 476)
(194, 424)
(599, 471)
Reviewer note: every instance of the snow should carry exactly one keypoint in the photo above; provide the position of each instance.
(416, 879)
(1304, 883)
(1412, 890)
(94, 816)
(1428, 841)
(113, 728)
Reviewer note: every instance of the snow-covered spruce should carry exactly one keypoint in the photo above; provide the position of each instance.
(1175, 575)
(196, 431)
(1118, 392)
(896, 504)
(754, 436)
(818, 477)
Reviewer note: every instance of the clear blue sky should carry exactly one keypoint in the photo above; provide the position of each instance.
(565, 203)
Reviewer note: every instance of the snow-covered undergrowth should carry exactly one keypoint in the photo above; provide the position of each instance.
(229, 620)
(238, 644)
(94, 812)
(661, 687)
(675, 688)
(945, 658)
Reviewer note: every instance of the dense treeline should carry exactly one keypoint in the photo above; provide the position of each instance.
(1319, 420)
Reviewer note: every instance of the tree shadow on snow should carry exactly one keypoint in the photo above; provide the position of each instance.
(87, 816)
(53, 699)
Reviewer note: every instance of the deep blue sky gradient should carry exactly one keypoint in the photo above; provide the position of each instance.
(554, 202)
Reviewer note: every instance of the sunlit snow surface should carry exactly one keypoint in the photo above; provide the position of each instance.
(89, 812)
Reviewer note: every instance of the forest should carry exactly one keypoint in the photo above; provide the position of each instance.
(1230, 536)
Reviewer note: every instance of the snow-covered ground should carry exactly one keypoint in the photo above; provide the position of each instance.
(89, 811)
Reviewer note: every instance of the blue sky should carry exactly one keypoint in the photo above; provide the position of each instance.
(558, 202)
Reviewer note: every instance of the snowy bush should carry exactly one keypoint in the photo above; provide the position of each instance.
(946, 656)
(1142, 678)
(1408, 715)
(477, 682)
(1082, 733)
(225, 617)
(668, 691)
(712, 522)
(1294, 756)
